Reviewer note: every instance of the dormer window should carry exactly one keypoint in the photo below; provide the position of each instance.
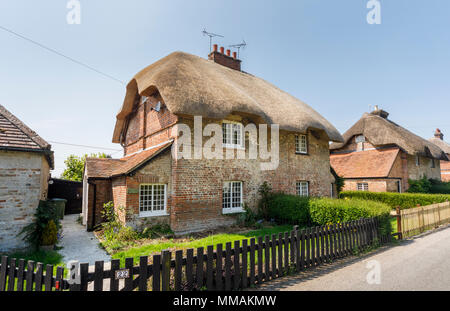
(233, 134)
(301, 144)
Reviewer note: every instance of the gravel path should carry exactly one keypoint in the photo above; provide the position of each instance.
(78, 244)
(422, 263)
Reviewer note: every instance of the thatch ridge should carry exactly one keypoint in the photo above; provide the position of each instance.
(381, 132)
(441, 144)
(191, 85)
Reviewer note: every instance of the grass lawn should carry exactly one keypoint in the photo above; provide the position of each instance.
(45, 257)
(159, 245)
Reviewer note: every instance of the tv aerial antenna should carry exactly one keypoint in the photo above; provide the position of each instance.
(211, 35)
(239, 46)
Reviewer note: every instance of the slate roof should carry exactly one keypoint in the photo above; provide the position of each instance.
(15, 135)
(107, 168)
(364, 164)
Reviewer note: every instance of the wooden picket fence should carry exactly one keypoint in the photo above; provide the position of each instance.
(237, 266)
(417, 220)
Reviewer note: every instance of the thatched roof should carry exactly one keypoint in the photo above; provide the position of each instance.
(441, 144)
(17, 136)
(438, 140)
(190, 85)
(381, 131)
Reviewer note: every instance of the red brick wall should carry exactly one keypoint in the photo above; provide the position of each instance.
(147, 127)
(197, 184)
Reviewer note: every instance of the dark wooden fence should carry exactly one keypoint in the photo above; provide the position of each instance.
(233, 267)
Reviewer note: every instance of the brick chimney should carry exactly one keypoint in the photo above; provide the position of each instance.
(225, 59)
(438, 134)
(380, 112)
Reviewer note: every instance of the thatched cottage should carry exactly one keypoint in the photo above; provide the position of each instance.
(151, 185)
(438, 140)
(381, 156)
(25, 163)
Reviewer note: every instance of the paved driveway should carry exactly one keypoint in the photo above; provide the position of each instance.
(78, 244)
(422, 263)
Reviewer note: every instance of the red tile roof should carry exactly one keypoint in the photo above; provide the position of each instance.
(364, 164)
(106, 168)
(15, 135)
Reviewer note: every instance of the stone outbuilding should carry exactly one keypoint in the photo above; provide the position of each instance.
(379, 155)
(169, 109)
(25, 163)
(438, 140)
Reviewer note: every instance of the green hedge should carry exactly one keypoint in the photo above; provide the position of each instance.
(292, 209)
(326, 211)
(288, 209)
(403, 200)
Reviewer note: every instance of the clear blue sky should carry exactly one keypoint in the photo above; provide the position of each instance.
(321, 51)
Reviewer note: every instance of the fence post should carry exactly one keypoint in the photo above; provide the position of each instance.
(399, 223)
(165, 273)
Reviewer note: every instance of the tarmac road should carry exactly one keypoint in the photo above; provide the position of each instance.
(422, 263)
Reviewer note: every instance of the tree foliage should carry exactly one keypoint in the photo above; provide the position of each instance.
(75, 166)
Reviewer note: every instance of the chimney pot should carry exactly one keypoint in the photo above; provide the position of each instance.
(222, 49)
(438, 134)
(234, 55)
(215, 47)
(228, 53)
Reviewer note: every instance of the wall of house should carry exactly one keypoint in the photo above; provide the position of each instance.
(197, 184)
(23, 182)
(445, 170)
(424, 169)
(375, 185)
(147, 127)
(126, 191)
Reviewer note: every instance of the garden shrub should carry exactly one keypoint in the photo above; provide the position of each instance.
(419, 186)
(288, 209)
(33, 232)
(403, 200)
(50, 234)
(439, 187)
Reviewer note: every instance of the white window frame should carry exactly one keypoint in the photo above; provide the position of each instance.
(228, 143)
(152, 213)
(364, 186)
(231, 209)
(299, 188)
(417, 160)
(298, 144)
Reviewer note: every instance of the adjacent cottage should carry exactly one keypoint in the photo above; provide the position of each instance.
(438, 140)
(151, 184)
(25, 163)
(381, 156)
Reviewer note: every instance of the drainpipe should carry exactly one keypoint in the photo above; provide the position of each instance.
(90, 228)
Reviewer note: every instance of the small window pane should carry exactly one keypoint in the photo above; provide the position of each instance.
(301, 144)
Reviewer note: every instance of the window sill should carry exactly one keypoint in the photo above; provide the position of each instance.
(236, 147)
(302, 153)
(233, 211)
(147, 214)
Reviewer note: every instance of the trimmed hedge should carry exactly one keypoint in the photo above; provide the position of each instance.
(325, 211)
(403, 200)
(292, 209)
(288, 209)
